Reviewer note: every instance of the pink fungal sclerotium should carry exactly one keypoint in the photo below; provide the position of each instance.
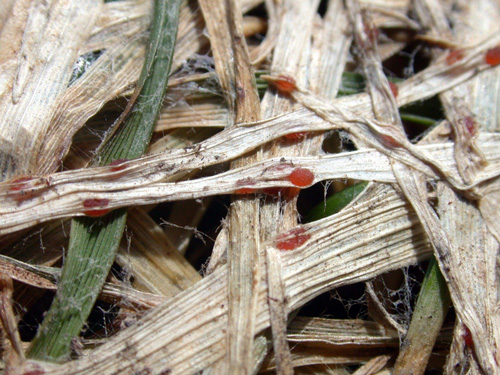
(292, 239)
(95, 207)
(301, 177)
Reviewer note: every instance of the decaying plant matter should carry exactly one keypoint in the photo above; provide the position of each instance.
(255, 109)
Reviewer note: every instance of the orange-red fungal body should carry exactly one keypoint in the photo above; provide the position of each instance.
(93, 203)
(96, 213)
(371, 32)
(292, 239)
(467, 336)
(301, 177)
(394, 89)
(285, 84)
(20, 189)
(20, 183)
(470, 125)
(273, 191)
(492, 56)
(390, 141)
(34, 372)
(294, 136)
(243, 191)
(118, 165)
(286, 193)
(454, 55)
(291, 193)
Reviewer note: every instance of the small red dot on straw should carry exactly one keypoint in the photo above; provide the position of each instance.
(454, 55)
(94, 202)
(394, 89)
(285, 84)
(293, 136)
(492, 56)
(292, 239)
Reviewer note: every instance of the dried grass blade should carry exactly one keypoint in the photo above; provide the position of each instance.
(138, 188)
(40, 43)
(14, 355)
(224, 23)
(93, 243)
(326, 369)
(45, 278)
(158, 267)
(473, 257)
(373, 366)
(185, 334)
(412, 359)
(278, 312)
(341, 333)
(476, 307)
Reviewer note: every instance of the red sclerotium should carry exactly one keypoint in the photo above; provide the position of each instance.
(286, 193)
(394, 89)
(454, 55)
(34, 372)
(273, 191)
(492, 57)
(95, 206)
(467, 336)
(33, 369)
(243, 191)
(295, 136)
(118, 165)
(470, 125)
(301, 177)
(21, 188)
(291, 193)
(20, 183)
(389, 140)
(285, 84)
(371, 32)
(292, 239)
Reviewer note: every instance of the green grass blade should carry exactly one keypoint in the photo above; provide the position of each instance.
(416, 119)
(430, 311)
(335, 202)
(352, 83)
(94, 242)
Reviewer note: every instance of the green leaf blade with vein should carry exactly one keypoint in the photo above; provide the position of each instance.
(335, 202)
(94, 242)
